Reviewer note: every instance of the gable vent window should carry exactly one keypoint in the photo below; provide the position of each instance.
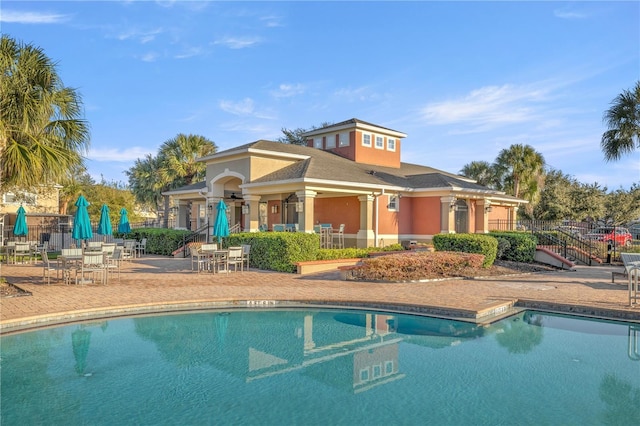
(391, 144)
(379, 142)
(344, 139)
(331, 141)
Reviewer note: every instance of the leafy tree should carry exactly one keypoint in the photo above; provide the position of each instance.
(587, 201)
(623, 121)
(482, 172)
(74, 182)
(41, 133)
(296, 137)
(622, 206)
(555, 199)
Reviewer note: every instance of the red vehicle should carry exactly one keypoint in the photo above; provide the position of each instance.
(617, 236)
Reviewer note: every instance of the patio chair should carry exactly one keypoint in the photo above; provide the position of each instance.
(235, 258)
(339, 236)
(198, 259)
(47, 268)
(93, 264)
(22, 251)
(114, 262)
(141, 247)
(129, 250)
(246, 249)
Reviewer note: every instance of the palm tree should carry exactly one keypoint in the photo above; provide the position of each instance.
(41, 133)
(482, 172)
(623, 120)
(521, 170)
(144, 181)
(175, 165)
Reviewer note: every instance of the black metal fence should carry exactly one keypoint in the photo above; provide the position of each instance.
(587, 242)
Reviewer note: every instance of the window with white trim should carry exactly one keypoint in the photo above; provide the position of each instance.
(317, 143)
(394, 203)
(20, 198)
(366, 139)
(343, 139)
(379, 142)
(331, 141)
(391, 144)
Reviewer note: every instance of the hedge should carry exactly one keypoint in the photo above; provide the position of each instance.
(160, 241)
(277, 251)
(522, 245)
(468, 243)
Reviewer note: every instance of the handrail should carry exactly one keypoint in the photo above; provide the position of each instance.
(634, 340)
(196, 236)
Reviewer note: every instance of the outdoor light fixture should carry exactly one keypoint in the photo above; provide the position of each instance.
(452, 204)
(488, 209)
(245, 209)
(274, 209)
(299, 207)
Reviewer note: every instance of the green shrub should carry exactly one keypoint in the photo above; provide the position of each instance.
(277, 251)
(468, 243)
(160, 241)
(503, 247)
(354, 253)
(411, 266)
(522, 245)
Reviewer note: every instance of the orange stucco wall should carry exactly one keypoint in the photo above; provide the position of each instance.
(499, 213)
(424, 215)
(378, 157)
(337, 211)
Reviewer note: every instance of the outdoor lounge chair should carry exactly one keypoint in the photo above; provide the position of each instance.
(628, 260)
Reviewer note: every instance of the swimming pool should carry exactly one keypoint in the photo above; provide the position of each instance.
(322, 367)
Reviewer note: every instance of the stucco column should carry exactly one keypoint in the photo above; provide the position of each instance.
(366, 236)
(251, 220)
(305, 217)
(513, 218)
(482, 216)
(447, 215)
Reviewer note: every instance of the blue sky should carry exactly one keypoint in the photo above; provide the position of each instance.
(462, 79)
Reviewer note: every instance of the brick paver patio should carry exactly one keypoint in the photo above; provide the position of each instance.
(155, 283)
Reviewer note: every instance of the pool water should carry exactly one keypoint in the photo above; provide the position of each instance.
(322, 367)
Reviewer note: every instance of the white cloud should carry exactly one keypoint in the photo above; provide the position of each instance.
(149, 57)
(288, 90)
(487, 107)
(243, 107)
(17, 17)
(567, 13)
(190, 52)
(140, 36)
(357, 94)
(271, 21)
(122, 156)
(238, 42)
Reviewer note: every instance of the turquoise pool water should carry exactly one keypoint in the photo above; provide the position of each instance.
(322, 367)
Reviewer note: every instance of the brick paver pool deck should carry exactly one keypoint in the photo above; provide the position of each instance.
(157, 284)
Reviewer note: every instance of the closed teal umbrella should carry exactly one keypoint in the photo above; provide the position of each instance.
(20, 227)
(221, 225)
(81, 222)
(123, 225)
(104, 226)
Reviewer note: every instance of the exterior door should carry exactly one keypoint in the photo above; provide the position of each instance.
(462, 217)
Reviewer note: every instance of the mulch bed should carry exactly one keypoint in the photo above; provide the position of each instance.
(10, 290)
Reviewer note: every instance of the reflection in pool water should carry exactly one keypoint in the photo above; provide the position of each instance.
(321, 367)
